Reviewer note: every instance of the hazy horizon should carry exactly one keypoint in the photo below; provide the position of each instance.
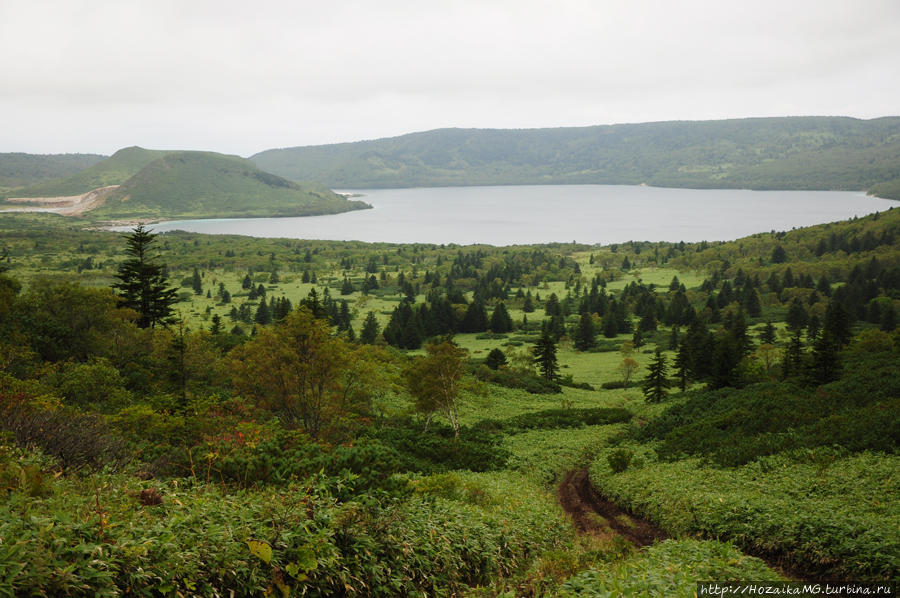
(239, 79)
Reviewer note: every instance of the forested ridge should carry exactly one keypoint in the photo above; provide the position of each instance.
(193, 414)
(826, 153)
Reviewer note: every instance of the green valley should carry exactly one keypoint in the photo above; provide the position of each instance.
(325, 418)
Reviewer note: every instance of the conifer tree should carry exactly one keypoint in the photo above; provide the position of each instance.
(500, 320)
(370, 329)
(197, 282)
(263, 315)
(656, 382)
(545, 357)
(586, 333)
(142, 283)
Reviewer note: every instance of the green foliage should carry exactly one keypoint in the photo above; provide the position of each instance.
(671, 568)
(114, 170)
(827, 513)
(512, 378)
(438, 449)
(734, 426)
(19, 170)
(757, 153)
(198, 184)
(551, 419)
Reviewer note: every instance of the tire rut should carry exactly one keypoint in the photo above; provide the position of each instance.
(592, 514)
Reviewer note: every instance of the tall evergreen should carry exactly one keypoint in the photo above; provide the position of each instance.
(370, 329)
(500, 320)
(197, 282)
(586, 333)
(545, 357)
(656, 382)
(142, 283)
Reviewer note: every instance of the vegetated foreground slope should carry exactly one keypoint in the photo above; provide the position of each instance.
(19, 169)
(834, 153)
(793, 454)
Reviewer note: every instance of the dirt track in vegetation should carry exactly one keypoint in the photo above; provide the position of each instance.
(71, 205)
(592, 514)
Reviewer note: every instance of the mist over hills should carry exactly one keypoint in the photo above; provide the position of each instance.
(819, 153)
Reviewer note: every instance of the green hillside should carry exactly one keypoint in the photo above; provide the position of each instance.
(115, 170)
(20, 170)
(834, 153)
(205, 185)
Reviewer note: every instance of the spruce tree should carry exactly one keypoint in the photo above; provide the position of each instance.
(197, 282)
(263, 315)
(142, 283)
(500, 320)
(656, 382)
(545, 357)
(370, 329)
(586, 333)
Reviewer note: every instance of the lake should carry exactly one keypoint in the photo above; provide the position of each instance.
(601, 214)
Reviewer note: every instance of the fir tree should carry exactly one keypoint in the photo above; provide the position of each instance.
(370, 329)
(142, 284)
(263, 315)
(656, 382)
(585, 334)
(545, 357)
(500, 320)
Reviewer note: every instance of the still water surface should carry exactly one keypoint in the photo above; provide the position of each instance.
(510, 215)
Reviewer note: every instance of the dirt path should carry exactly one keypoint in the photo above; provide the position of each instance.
(72, 205)
(592, 514)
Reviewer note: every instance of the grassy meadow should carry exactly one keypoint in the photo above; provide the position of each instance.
(158, 462)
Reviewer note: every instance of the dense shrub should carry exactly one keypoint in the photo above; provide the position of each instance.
(75, 440)
(736, 426)
(510, 378)
(556, 418)
(437, 450)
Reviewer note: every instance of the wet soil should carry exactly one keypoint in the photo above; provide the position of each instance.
(593, 514)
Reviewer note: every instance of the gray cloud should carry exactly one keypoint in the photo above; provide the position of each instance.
(238, 77)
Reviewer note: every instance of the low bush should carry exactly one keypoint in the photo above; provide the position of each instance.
(510, 378)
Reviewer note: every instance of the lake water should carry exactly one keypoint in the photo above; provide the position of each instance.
(602, 214)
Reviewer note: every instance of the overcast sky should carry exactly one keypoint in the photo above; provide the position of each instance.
(241, 77)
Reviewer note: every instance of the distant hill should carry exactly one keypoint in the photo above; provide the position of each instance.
(210, 185)
(114, 170)
(20, 170)
(835, 153)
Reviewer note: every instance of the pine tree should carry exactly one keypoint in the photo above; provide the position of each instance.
(370, 329)
(545, 357)
(500, 320)
(216, 327)
(263, 315)
(586, 333)
(656, 382)
(768, 334)
(197, 282)
(825, 359)
(142, 283)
